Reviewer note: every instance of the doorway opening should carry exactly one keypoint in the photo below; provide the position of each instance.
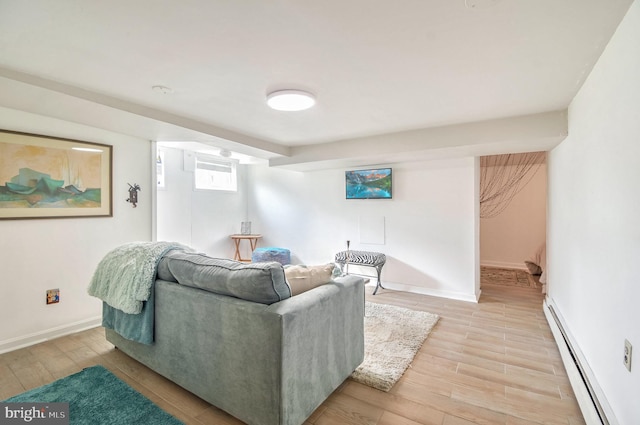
(513, 210)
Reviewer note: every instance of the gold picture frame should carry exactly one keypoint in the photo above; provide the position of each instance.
(52, 177)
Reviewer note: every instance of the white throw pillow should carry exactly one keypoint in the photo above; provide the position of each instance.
(303, 278)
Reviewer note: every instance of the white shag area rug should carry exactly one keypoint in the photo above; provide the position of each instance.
(392, 337)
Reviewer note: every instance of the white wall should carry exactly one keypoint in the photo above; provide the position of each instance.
(173, 202)
(512, 237)
(430, 226)
(41, 254)
(594, 206)
(201, 219)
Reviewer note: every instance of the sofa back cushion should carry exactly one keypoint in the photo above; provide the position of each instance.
(258, 282)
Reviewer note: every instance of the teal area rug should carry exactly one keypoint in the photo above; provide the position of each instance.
(97, 397)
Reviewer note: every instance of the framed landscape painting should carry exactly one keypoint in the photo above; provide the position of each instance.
(369, 184)
(51, 177)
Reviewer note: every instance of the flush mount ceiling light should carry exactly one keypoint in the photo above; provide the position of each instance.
(290, 100)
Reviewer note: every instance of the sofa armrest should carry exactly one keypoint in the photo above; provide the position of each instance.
(322, 343)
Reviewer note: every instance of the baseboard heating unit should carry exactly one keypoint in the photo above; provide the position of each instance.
(593, 410)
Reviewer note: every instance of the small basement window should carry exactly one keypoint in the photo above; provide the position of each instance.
(214, 173)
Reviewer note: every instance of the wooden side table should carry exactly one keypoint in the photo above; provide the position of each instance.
(253, 241)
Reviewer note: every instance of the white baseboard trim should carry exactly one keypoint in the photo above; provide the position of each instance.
(12, 344)
(504, 265)
(473, 298)
(593, 404)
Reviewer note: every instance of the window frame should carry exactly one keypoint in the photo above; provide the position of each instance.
(215, 161)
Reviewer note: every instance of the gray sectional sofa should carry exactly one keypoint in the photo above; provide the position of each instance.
(231, 334)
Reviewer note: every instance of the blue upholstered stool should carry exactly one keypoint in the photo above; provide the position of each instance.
(281, 255)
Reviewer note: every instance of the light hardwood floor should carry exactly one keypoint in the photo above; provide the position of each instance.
(494, 362)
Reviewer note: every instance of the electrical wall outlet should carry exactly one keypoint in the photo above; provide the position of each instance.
(53, 296)
(627, 354)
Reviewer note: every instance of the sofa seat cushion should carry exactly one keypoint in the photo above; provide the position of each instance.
(302, 278)
(258, 282)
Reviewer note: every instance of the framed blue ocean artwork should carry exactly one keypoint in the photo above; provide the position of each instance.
(369, 184)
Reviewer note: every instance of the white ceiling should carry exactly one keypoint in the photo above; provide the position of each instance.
(376, 67)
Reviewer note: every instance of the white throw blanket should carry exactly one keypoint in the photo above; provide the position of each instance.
(124, 277)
